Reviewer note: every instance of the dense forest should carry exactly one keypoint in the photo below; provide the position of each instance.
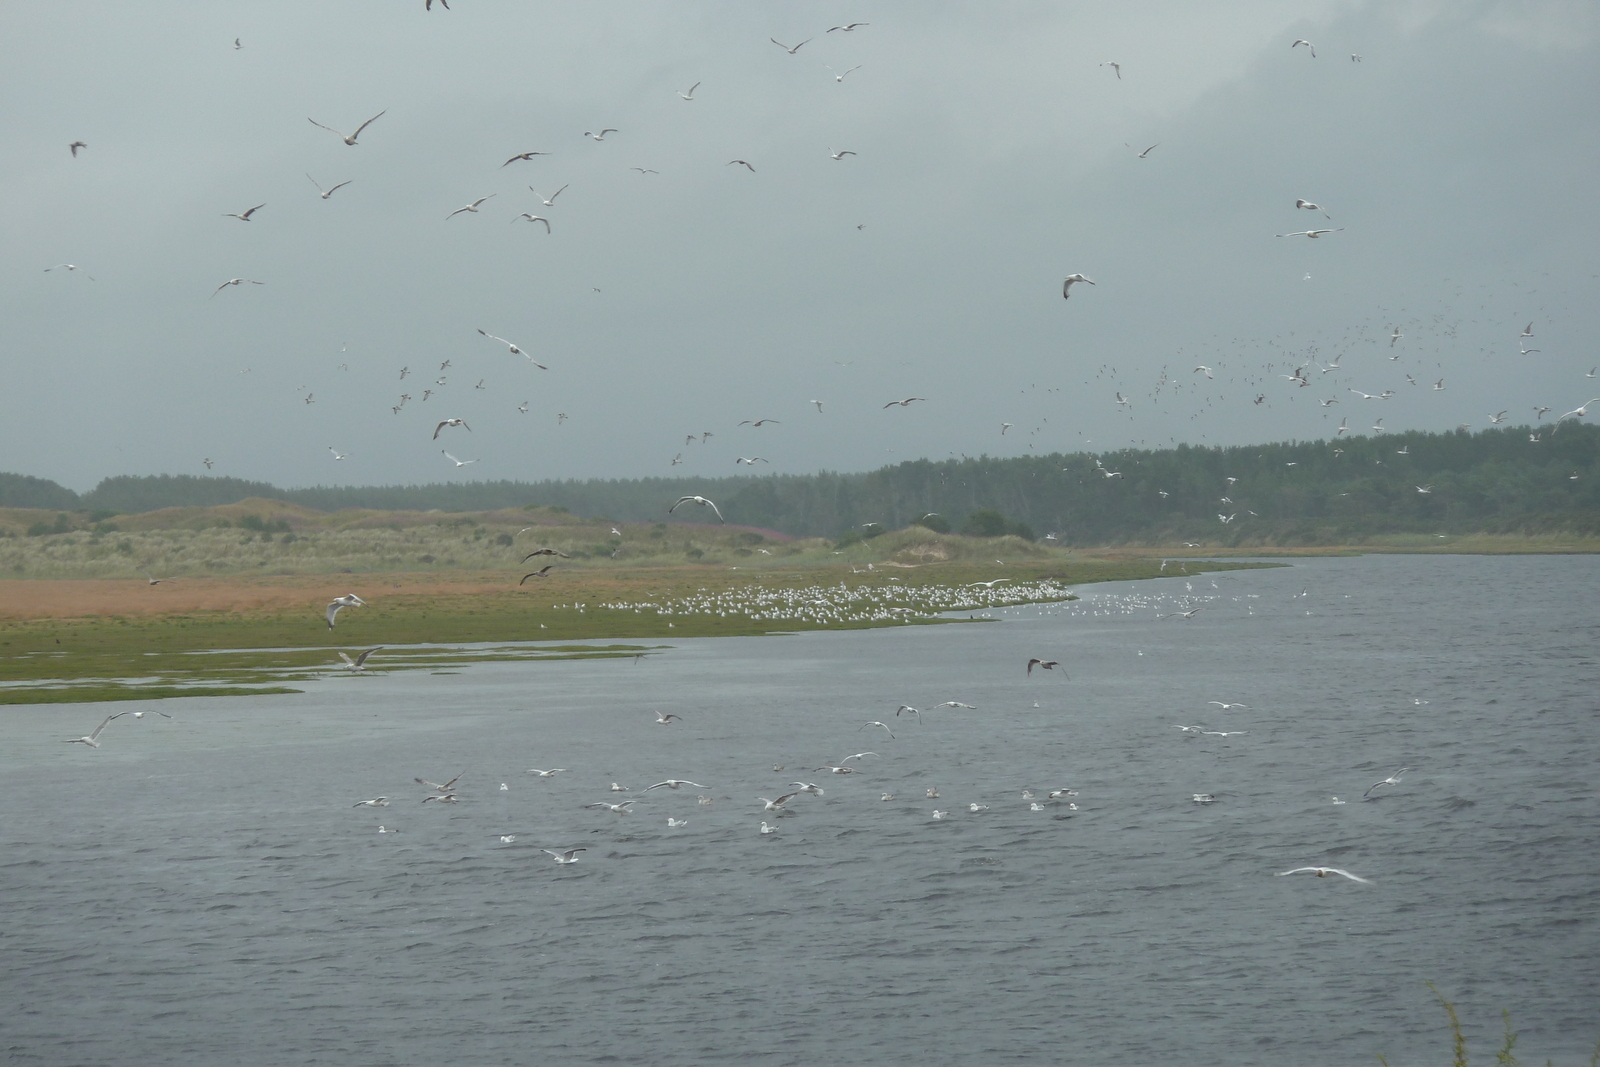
(1509, 481)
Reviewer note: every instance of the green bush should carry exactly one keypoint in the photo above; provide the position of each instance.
(39, 529)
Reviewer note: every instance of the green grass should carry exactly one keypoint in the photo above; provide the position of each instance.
(582, 613)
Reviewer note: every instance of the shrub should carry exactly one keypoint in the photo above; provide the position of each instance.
(38, 529)
(985, 522)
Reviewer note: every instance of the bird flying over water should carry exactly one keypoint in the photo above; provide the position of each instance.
(92, 739)
(1322, 872)
(1045, 664)
(359, 663)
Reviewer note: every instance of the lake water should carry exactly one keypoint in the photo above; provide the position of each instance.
(201, 890)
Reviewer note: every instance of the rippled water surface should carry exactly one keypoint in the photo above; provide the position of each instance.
(201, 890)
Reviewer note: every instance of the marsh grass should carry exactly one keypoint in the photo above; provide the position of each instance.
(43, 658)
(1504, 1057)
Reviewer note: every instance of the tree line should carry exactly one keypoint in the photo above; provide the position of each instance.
(1311, 492)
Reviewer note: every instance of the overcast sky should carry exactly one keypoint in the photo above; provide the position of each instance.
(995, 155)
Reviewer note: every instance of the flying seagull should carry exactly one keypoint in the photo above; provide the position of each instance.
(564, 858)
(472, 207)
(1393, 779)
(1066, 286)
(523, 156)
(542, 572)
(840, 78)
(457, 462)
(1308, 45)
(235, 281)
(75, 145)
(1309, 206)
(435, 786)
(86, 274)
(328, 192)
(672, 783)
(346, 601)
(690, 94)
(786, 48)
(601, 136)
(545, 552)
(1116, 67)
(702, 501)
(450, 422)
(905, 402)
(514, 351)
(350, 140)
(848, 28)
(841, 153)
(360, 662)
(668, 719)
(92, 740)
(741, 163)
(243, 216)
(1045, 664)
(1323, 872)
(534, 218)
(1313, 234)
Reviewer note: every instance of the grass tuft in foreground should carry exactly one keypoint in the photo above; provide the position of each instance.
(1504, 1057)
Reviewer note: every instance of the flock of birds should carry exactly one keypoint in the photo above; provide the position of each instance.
(1171, 382)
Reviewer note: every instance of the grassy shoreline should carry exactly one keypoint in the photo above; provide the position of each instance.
(581, 612)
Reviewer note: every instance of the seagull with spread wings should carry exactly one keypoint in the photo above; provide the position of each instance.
(702, 501)
(351, 140)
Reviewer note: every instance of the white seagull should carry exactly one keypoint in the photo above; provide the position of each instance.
(1307, 205)
(1323, 872)
(243, 216)
(535, 218)
(92, 740)
(702, 501)
(1309, 233)
(1066, 286)
(672, 783)
(472, 207)
(350, 140)
(514, 351)
(690, 94)
(69, 266)
(1308, 44)
(450, 422)
(360, 662)
(1393, 779)
(346, 601)
(564, 858)
(551, 200)
(235, 281)
(457, 462)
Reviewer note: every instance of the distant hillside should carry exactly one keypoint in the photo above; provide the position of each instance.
(1315, 492)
